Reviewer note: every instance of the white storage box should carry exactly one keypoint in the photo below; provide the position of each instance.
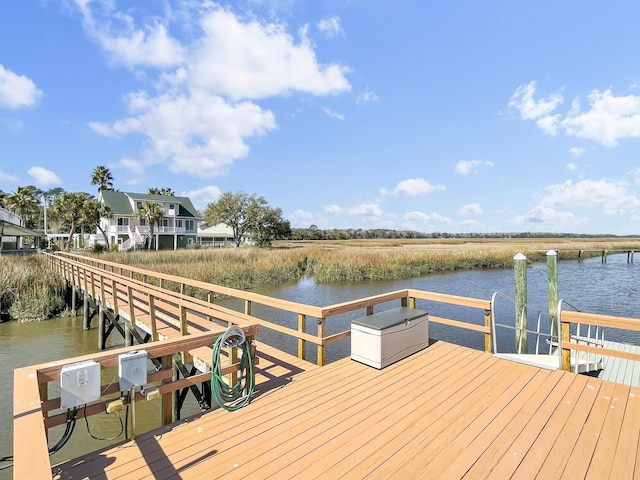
(383, 338)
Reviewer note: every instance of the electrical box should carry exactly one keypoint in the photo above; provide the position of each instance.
(383, 338)
(132, 369)
(79, 384)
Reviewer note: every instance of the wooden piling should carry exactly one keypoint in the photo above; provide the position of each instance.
(101, 327)
(74, 299)
(86, 318)
(552, 280)
(520, 274)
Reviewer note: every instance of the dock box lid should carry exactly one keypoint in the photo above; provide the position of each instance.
(389, 318)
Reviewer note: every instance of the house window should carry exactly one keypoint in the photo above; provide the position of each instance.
(123, 221)
(179, 223)
(143, 222)
(164, 222)
(189, 225)
(172, 206)
(138, 205)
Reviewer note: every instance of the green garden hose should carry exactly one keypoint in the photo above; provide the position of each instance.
(227, 396)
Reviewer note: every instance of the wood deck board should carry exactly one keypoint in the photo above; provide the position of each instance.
(623, 462)
(446, 410)
(515, 452)
(448, 421)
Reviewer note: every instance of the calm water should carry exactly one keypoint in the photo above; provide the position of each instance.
(612, 288)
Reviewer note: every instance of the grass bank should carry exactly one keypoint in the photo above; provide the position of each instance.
(29, 288)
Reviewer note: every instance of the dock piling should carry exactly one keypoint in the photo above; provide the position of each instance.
(520, 274)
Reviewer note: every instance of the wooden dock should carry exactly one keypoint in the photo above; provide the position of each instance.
(446, 412)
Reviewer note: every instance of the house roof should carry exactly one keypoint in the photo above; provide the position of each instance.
(120, 202)
(12, 230)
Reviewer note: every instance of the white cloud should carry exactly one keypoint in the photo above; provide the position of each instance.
(529, 108)
(199, 134)
(366, 97)
(541, 217)
(614, 197)
(471, 226)
(302, 219)
(195, 120)
(43, 177)
(572, 166)
(635, 173)
(421, 221)
(364, 209)
(5, 177)
(470, 209)
(332, 114)
(465, 167)
(413, 187)
(115, 32)
(17, 91)
(608, 119)
(330, 26)
(203, 196)
(255, 60)
(369, 215)
(102, 128)
(577, 151)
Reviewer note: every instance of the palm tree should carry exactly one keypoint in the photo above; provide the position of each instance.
(102, 177)
(24, 201)
(161, 191)
(69, 207)
(151, 212)
(92, 212)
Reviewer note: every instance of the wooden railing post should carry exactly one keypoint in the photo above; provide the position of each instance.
(167, 398)
(322, 348)
(487, 336)
(210, 300)
(302, 344)
(93, 286)
(114, 291)
(552, 280)
(566, 352)
(152, 319)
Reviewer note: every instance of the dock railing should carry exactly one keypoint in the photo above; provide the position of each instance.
(34, 412)
(85, 272)
(575, 324)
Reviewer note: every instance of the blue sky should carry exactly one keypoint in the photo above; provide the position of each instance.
(432, 116)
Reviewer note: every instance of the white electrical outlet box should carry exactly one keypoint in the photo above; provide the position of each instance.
(132, 369)
(79, 384)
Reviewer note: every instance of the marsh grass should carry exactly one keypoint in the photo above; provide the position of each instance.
(30, 290)
(355, 260)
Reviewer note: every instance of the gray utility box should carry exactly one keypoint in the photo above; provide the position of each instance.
(383, 338)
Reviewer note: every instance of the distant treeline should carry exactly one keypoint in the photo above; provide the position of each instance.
(314, 233)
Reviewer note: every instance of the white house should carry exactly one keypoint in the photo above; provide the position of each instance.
(177, 228)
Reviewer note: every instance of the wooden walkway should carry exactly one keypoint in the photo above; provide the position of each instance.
(446, 412)
(621, 370)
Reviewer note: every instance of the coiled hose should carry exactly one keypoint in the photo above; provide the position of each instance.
(225, 395)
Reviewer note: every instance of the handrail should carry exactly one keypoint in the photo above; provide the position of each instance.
(568, 317)
(141, 276)
(523, 309)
